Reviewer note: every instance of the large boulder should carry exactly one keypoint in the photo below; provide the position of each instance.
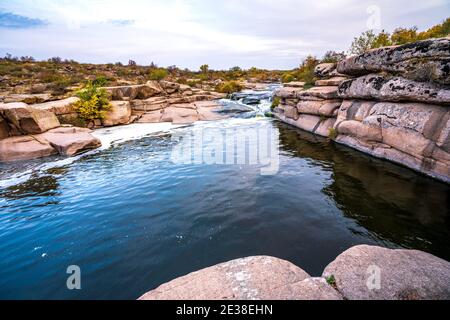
(69, 141)
(24, 148)
(28, 120)
(170, 87)
(367, 272)
(59, 107)
(253, 278)
(119, 113)
(383, 88)
(424, 61)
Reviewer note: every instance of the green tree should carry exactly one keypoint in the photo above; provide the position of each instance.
(363, 43)
(204, 69)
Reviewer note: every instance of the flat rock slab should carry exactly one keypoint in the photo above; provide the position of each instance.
(367, 272)
(335, 81)
(59, 107)
(325, 93)
(383, 88)
(288, 92)
(253, 278)
(424, 61)
(69, 141)
(295, 84)
(24, 148)
(27, 98)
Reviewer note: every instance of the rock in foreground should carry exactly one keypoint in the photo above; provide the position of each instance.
(404, 274)
(254, 278)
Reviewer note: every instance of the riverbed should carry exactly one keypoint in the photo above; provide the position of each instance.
(134, 215)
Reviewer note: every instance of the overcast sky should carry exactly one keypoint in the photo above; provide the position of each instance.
(274, 34)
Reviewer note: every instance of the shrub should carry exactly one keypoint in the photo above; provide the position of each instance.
(369, 40)
(229, 87)
(332, 133)
(100, 81)
(305, 72)
(275, 103)
(158, 74)
(93, 102)
(331, 280)
(287, 77)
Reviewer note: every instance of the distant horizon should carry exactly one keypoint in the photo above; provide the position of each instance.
(271, 35)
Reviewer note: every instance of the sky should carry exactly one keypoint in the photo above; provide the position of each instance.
(275, 34)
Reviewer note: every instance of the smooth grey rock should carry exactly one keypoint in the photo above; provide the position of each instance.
(378, 87)
(424, 61)
(253, 278)
(404, 274)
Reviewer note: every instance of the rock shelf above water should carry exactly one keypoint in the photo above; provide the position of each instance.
(396, 108)
(360, 273)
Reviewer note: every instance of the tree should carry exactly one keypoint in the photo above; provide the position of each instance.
(404, 36)
(132, 63)
(332, 57)
(363, 43)
(383, 39)
(204, 69)
(55, 60)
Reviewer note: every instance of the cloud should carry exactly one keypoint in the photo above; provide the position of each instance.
(14, 21)
(188, 33)
(122, 22)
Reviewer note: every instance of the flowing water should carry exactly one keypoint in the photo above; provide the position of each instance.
(132, 216)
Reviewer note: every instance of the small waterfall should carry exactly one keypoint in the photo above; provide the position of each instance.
(250, 103)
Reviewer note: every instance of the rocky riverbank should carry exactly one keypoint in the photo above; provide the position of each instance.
(29, 131)
(360, 273)
(392, 103)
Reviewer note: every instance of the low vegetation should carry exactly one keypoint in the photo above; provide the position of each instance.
(369, 40)
(229, 87)
(94, 101)
(62, 77)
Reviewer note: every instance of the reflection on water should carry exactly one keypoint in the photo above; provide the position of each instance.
(132, 219)
(392, 202)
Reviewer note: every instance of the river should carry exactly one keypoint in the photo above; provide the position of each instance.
(138, 212)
